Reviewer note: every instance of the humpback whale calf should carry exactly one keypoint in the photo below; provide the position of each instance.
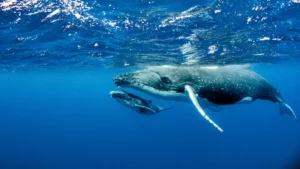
(207, 87)
(136, 103)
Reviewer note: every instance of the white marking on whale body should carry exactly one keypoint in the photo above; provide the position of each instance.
(246, 100)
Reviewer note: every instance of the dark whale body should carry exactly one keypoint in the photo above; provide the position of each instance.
(228, 86)
(222, 85)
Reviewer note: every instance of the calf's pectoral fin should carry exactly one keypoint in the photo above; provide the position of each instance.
(286, 109)
(143, 109)
(194, 100)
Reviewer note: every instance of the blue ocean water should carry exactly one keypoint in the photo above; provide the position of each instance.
(58, 58)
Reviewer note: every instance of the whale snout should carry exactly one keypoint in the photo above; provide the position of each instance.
(112, 93)
(117, 94)
(124, 79)
(119, 81)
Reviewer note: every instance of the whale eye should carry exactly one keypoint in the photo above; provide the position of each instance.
(166, 80)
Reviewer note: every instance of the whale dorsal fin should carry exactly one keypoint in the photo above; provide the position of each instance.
(194, 100)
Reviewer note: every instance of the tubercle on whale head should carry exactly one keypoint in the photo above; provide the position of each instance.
(119, 82)
(124, 79)
(142, 79)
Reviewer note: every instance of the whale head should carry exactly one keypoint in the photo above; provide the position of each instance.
(155, 82)
(118, 94)
(121, 97)
(143, 79)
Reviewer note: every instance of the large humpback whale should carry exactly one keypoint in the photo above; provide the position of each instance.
(204, 86)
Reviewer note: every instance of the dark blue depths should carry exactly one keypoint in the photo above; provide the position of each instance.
(68, 120)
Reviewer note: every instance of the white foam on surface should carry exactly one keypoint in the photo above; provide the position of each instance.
(264, 39)
(5, 5)
(192, 12)
(57, 11)
(212, 49)
(76, 8)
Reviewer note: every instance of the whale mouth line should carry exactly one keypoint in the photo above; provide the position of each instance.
(139, 87)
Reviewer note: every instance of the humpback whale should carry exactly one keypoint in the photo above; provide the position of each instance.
(207, 87)
(136, 103)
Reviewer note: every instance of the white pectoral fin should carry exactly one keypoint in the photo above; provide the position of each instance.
(194, 100)
(286, 109)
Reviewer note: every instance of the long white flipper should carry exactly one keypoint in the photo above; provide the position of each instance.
(286, 109)
(193, 98)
